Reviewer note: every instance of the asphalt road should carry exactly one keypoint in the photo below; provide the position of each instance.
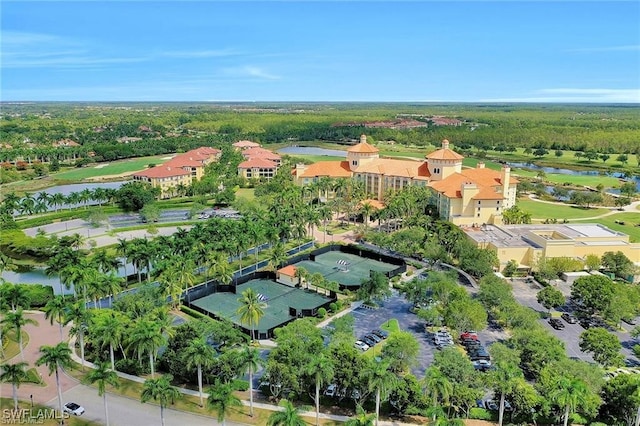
(126, 411)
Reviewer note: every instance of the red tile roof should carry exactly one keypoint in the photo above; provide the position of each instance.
(364, 148)
(336, 169)
(162, 172)
(257, 163)
(288, 270)
(444, 154)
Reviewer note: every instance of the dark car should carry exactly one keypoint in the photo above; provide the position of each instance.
(374, 337)
(630, 321)
(571, 319)
(556, 323)
(471, 344)
(369, 341)
(380, 333)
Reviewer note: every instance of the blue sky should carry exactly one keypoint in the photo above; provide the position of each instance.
(420, 51)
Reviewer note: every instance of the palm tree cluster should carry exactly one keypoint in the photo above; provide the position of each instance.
(44, 201)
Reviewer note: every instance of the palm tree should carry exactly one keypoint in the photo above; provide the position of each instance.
(17, 297)
(570, 394)
(321, 368)
(366, 210)
(382, 380)
(146, 336)
(251, 309)
(249, 361)
(277, 256)
(16, 320)
(199, 354)
(289, 416)
(55, 358)
(123, 249)
(506, 373)
(437, 386)
(55, 309)
(361, 418)
(103, 376)
(16, 375)
(111, 332)
(81, 318)
(222, 399)
(160, 390)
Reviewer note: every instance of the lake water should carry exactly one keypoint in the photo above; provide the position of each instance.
(618, 175)
(309, 150)
(77, 187)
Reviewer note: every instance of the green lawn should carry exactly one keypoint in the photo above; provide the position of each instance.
(557, 211)
(246, 194)
(576, 180)
(113, 168)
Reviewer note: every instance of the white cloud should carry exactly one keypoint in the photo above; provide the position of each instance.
(251, 71)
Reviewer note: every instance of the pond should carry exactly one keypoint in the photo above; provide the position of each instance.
(37, 275)
(550, 170)
(77, 187)
(309, 150)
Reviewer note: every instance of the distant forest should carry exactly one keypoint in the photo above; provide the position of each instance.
(110, 131)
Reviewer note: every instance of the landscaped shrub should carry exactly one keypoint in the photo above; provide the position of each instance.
(322, 312)
(38, 294)
(192, 312)
(481, 414)
(240, 385)
(333, 307)
(129, 366)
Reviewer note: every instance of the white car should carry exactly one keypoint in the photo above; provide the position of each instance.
(331, 390)
(73, 408)
(361, 345)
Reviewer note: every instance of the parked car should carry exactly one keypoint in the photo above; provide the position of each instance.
(380, 333)
(556, 323)
(361, 345)
(469, 335)
(331, 390)
(374, 337)
(73, 408)
(630, 321)
(369, 341)
(471, 343)
(482, 365)
(571, 319)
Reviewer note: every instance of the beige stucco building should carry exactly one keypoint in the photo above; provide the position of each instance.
(527, 243)
(465, 196)
(183, 169)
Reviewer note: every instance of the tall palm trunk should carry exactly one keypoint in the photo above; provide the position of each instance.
(566, 416)
(153, 374)
(200, 384)
(81, 337)
(106, 408)
(162, 414)
(377, 405)
(637, 422)
(59, 390)
(113, 361)
(317, 402)
(14, 388)
(501, 410)
(19, 331)
(60, 324)
(251, 392)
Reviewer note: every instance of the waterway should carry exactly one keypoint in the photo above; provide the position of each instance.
(553, 170)
(77, 187)
(309, 150)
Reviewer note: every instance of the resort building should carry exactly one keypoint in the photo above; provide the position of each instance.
(181, 170)
(527, 243)
(464, 196)
(259, 163)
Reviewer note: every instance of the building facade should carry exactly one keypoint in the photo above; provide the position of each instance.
(464, 196)
(181, 170)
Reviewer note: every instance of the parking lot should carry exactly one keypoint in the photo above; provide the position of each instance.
(398, 307)
(525, 293)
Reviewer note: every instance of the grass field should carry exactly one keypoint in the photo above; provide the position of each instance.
(113, 168)
(543, 211)
(576, 180)
(246, 194)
